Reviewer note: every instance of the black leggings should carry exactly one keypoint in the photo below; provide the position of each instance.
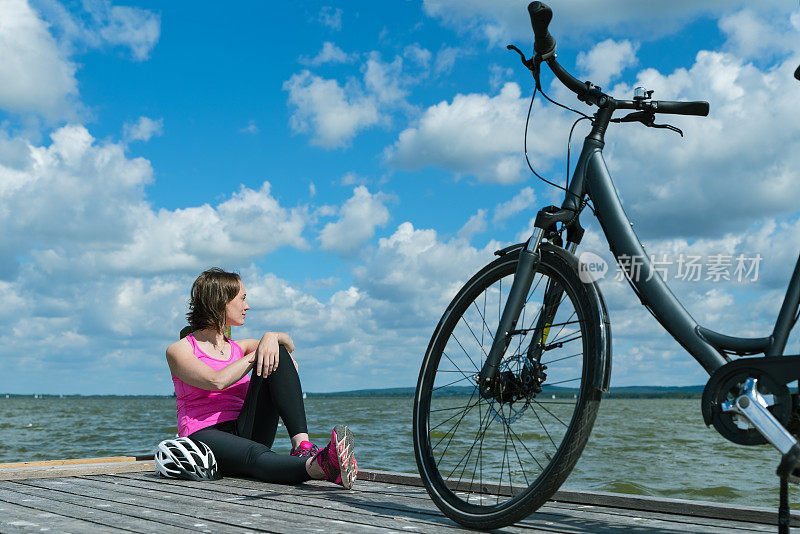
(242, 447)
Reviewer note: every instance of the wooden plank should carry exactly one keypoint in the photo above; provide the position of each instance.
(47, 501)
(65, 470)
(706, 509)
(423, 504)
(311, 500)
(15, 518)
(392, 491)
(205, 504)
(675, 506)
(408, 487)
(547, 519)
(91, 466)
(76, 461)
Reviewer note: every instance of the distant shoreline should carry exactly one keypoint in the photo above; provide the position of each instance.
(625, 392)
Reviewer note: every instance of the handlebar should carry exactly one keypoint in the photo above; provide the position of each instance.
(541, 15)
(545, 47)
(672, 107)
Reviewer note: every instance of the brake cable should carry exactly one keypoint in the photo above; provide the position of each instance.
(533, 65)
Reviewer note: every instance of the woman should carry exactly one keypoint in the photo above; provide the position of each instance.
(235, 411)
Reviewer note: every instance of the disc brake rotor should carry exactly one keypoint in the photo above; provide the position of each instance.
(519, 382)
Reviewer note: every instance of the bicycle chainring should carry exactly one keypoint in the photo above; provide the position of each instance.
(727, 387)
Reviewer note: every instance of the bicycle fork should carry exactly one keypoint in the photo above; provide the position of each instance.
(523, 278)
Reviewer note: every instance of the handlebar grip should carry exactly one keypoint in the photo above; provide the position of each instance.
(541, 15)
(681, 108)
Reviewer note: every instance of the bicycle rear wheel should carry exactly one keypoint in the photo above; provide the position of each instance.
(489, 462)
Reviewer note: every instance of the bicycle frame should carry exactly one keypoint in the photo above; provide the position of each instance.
(591, 178)
(709, 348)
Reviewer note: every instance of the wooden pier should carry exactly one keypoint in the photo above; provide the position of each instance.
(125, 495)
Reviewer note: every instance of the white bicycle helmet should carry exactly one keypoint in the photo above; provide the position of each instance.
(186, 459)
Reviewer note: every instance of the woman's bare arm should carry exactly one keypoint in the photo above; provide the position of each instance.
(183, 364)
(250, 345)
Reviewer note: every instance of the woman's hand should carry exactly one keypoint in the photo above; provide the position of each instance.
(267, 354)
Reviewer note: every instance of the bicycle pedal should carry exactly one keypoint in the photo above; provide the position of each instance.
(752, 406)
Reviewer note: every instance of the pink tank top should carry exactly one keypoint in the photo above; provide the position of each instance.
(199, 408)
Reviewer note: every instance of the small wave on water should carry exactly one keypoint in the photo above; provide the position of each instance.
(713, 493)
(621, 486)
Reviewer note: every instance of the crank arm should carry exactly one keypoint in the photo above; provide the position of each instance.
(753, 407)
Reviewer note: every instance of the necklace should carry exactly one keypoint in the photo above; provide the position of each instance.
(221, 351)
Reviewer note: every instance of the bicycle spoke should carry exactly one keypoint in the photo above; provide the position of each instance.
(478, 435)
(551, 413)
(465, 353)
(454, 428)
(474, 336)
(563, 381)
(527, 449)
(452, 416)
(545, 429)
(563, 358)
(451, 383)
(454, 364)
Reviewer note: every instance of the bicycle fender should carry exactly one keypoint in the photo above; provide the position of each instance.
(602, 377)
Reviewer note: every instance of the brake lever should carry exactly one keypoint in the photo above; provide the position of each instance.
(529, 63)
(667, 127)
(648, 119)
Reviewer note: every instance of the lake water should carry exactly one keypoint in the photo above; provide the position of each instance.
(656, 447)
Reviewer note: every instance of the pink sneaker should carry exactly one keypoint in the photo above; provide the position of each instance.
(337, 459)
(304, 450)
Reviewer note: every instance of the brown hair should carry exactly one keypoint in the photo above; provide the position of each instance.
(211, 293)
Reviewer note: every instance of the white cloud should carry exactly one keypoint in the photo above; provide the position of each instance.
(478, 135)
(607, 59)
(101, 24)
(35, 76)
(251, 128)
(330, 53)
(521, 201)
(331, 17)
(350, 178)
(143, 129)
(359, 216)
(131, 27)
(750, 36)
(445, 59)
(421, 56)
(332, 113)
(475, 225)
(413, 275)
(385, 80)
(79, 205)
(499, 22)
(498, 75)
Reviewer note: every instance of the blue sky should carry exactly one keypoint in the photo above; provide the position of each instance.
(356, 162)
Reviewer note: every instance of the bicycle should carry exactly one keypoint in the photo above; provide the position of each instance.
(531, 398)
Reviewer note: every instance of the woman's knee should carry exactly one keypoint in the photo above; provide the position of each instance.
(285, 362)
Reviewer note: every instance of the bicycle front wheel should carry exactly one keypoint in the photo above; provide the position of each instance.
(489, 462)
